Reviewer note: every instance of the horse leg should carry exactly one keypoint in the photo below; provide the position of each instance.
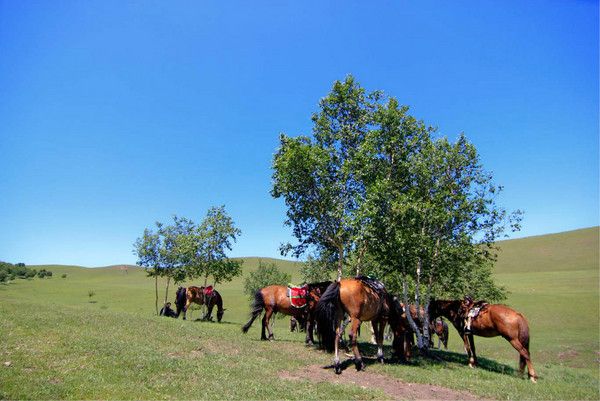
(469, 351)
(185, 308)
(524, 359)
(208, 315)
(473, 359)
(378, 328)
(267, 322)
(336, 360)
(353, 339)
(310, 340)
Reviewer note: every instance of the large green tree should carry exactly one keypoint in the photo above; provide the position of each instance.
(315, 176)
(431, 210)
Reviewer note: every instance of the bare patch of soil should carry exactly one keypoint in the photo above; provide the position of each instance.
(568, 354)
(394, 388)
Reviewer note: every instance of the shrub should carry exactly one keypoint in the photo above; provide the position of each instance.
(64, 275)
(264, 276)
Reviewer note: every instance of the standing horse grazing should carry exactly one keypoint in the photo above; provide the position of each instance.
(201, 296)
(363, 299)
(274, 298)
(493, 320)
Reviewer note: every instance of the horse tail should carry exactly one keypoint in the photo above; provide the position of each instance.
(326, 315)
(180, 299)
(524, 332)
(257, 307)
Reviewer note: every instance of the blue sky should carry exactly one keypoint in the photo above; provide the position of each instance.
(116, 114)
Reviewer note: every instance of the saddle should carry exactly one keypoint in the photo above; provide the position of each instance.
(208, 291)
(476, 309)
(297, 295)
(372, 282)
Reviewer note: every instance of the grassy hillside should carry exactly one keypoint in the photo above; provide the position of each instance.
(112, 346)
(568, 251)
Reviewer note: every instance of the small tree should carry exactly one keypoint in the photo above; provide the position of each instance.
(265, 275)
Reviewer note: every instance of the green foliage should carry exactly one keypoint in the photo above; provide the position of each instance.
(266, 274)
(64, 275)
(9, 272)
(317, 269)
(315, 177)
(377, 189)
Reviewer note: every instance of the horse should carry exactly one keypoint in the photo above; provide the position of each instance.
(436, 326)
(439, 327)
(493, 320)
(185, 296)
(363, 299)
(274, 298)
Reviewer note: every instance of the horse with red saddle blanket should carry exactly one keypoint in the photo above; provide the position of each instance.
(202, 296)
(299, 302)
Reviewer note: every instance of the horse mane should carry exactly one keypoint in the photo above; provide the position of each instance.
(322, 285)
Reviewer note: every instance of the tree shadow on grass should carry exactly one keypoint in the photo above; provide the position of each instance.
(437, 357)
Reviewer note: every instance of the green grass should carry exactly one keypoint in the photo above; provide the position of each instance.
(62, 346)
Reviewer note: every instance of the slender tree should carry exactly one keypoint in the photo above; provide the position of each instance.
(315, 176)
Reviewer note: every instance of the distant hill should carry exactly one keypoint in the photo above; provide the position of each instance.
(570, 250)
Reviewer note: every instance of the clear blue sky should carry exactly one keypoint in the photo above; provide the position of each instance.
(116, 114)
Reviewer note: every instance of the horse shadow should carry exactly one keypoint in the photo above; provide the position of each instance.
(435, 357)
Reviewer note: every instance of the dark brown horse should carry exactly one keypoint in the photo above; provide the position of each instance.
(274, 298)
(493, 320)
(363, 299)
(185, 296)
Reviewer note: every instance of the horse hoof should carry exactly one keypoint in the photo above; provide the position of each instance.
(533, 379)
(380, 359)
(309, 343)
(360, 365)
(337, 369)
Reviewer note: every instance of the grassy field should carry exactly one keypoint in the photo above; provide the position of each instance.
(59, 343)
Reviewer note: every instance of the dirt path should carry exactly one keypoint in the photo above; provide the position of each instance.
(394, 388)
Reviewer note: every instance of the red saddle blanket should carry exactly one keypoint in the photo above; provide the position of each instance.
(208, 291)
(297, 296)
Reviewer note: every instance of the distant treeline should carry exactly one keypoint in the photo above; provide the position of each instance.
(9, 272)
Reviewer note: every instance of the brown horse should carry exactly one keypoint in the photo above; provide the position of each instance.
(274, 298)
(363, 299)
(493, 320)
(439, 327)
(185, 296)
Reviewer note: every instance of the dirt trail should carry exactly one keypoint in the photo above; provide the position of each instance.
(394, 388)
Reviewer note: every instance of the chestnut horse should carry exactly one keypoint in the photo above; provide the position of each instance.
(185, 296)
(274, 298)
(363, 299)
(493, 320)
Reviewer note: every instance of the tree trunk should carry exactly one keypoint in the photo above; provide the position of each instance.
(424, 342)
(340, 262)
(411, 321)
(167, 289)
(156, 292)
